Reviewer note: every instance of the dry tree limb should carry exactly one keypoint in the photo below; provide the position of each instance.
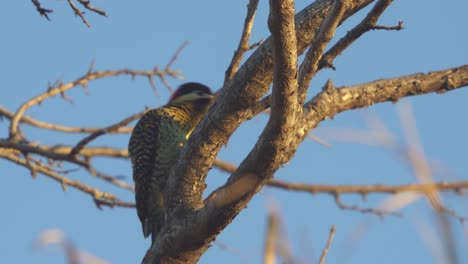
(82, 81)
(96, 194)
(460, 187)
(364, 190)
(61, 152)
(244, 41)
(60, 128)
(336, 191)
(331, 100)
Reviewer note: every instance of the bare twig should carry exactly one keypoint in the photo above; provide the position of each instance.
(169, 65)
(111, 179)
(96, 194)
(79, 13)
(367, 24)
(55, 127)
(244, 41)
(327, 246)
(176, 55)
(374, 211)
(61, 152)
(42, 11)
(82, 143)
(364, 190)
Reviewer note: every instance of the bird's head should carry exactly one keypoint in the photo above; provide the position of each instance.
(192, 93)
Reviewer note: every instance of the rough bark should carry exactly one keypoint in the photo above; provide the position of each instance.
(193, 222)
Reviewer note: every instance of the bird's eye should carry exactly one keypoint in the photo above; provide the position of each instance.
(200, 93)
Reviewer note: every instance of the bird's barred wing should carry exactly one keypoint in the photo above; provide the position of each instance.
(142, 150)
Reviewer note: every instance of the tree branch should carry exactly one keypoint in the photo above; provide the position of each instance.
(82, 143)
(367, 24)
(83, 81)
(364, 190)
(332, 101)
(55, 127)
(234, 105)
(244, 41)
(99, 196)
(87, 5)
(325, 34)
(79, 13)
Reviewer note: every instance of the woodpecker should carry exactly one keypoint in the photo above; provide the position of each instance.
(155, 145)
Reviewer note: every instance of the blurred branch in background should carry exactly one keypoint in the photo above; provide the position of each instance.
(51, 237)
(327, 246)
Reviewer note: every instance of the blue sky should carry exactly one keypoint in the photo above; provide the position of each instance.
(143, 34)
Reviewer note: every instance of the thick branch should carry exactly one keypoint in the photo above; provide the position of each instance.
(234, 105)
(332, 101)
(271, 150)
